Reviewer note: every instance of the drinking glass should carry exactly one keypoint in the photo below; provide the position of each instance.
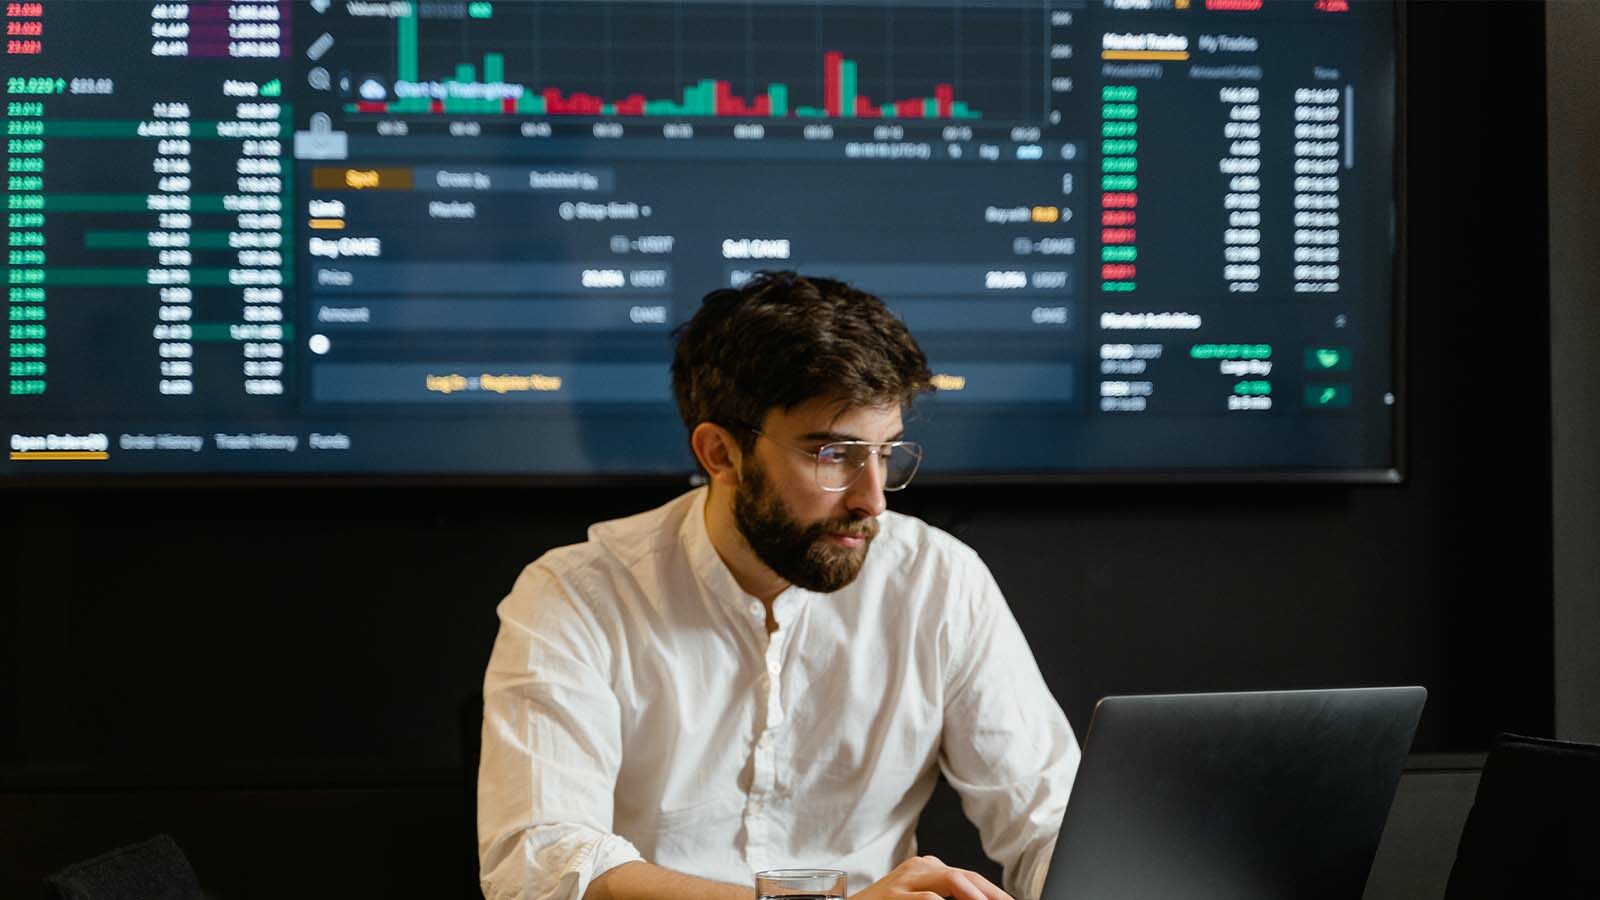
(800, 884)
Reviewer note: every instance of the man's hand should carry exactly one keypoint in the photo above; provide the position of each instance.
(926, 878)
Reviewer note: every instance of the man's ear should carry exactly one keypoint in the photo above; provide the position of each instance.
(717, 451)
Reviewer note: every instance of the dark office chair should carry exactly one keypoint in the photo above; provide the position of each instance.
(154, 869)
(1534, 829)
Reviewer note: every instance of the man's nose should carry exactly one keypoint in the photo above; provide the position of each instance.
(865, 496)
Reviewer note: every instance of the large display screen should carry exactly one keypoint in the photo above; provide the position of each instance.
(378, 237)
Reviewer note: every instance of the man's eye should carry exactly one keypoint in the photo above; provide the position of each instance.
(834, 455)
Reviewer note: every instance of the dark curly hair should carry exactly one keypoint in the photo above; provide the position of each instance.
(783, 339)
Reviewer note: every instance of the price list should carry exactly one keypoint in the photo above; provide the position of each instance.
(1224, 157)
(161, 164)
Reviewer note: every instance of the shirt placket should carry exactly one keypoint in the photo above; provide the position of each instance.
(757, 814)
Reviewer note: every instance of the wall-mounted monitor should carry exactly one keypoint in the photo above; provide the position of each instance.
(1136, 238)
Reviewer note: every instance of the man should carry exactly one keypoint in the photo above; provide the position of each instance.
(769, 671)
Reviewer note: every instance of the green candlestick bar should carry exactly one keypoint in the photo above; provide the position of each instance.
(810, 112)
(494, 68)
(466, 72)
(470, 106)
(407, 67)
(704, 99)
(847, 89)
(778, 100)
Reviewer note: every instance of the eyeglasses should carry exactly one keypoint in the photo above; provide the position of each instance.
(840, 463)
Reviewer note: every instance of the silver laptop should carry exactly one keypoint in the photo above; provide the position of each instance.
(1278, 795)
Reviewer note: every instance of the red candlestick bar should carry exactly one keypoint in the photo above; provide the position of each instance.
(946, 95)
(865, 109)
(831, 63)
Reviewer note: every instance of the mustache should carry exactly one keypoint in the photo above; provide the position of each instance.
(862, 528)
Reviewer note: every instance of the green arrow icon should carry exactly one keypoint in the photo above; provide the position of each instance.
(1328, 358)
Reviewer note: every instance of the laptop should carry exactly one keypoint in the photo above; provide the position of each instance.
(1276, 795)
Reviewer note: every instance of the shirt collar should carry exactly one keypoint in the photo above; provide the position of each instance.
(715, 576)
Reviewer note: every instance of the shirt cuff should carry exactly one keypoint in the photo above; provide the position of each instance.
(609, 852)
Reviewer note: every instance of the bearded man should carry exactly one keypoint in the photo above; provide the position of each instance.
(769, 671)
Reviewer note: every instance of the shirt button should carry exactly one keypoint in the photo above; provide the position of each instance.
(755, 609)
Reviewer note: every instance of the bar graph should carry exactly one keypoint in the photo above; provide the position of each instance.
(897, 69)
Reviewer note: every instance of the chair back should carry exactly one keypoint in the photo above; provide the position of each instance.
(1534, 829)
(153, 869)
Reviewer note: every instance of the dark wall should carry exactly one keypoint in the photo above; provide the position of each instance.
(1572, 34)
(276, 676)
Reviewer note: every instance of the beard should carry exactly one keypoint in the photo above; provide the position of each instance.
(799, 554)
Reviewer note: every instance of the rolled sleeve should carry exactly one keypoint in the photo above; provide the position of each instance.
(1007, 748)
(551, 749)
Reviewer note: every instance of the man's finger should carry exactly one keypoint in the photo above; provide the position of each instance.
(989, 889)
(961, 887)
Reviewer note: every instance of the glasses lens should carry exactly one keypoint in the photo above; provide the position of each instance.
(839, 465)
(902, 464)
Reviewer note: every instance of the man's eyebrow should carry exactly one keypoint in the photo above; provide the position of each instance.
(842, 436)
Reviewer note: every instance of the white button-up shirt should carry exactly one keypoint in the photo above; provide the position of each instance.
(635, 707)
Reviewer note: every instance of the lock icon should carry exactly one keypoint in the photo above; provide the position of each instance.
(321, 141)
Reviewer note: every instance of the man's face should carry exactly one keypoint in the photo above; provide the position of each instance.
(815, 539)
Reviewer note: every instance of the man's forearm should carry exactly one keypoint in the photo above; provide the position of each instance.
(644, 881)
